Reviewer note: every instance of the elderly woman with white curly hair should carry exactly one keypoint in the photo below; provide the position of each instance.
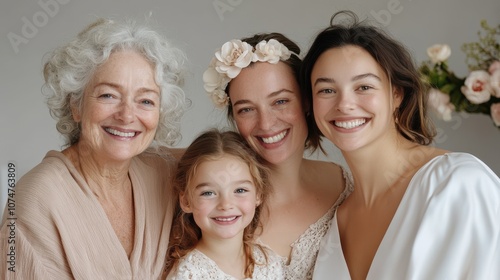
(101, 208)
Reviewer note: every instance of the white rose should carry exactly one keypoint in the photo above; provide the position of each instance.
(232, 57)
(213, 79)
(440, 103)
(495, 113)
(439, 53)
(477, 87)
(271, 51)
(220, 98)
(495, 83)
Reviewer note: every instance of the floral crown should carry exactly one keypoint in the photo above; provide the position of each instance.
(234, 56)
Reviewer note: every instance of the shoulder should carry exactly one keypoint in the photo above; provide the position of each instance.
(325, 171)
(327, 178)
(194, 265)
(269, 265)
(153, 164)
(458, 166)
(46, 178)
(458, 179)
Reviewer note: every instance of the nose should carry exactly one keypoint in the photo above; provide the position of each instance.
(125, 112)
(345, 102)
(267, 119)
(225, 202)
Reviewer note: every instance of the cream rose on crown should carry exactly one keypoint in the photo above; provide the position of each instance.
(272, 52)
(234, 56)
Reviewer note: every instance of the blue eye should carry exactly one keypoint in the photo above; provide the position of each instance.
(281, 101)
(106, 95)
(240, 190)
(207, 193)
(244, 110)
(148, 102)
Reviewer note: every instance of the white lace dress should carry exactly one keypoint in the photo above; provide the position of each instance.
(305, 249)
(197, 265)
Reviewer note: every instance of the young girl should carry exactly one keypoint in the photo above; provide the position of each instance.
(222, 189)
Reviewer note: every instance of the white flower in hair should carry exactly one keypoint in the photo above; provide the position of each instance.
(213, 79)
(271, 51)
(234, 56)
(220, 98)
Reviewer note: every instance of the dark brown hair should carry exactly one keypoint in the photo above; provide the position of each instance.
(313, 140)
(412, 120)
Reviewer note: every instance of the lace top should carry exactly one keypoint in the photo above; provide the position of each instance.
(305, 249)
(197, 265)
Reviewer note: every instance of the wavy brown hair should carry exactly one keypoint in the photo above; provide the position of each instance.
(212, 145)
(411, 115)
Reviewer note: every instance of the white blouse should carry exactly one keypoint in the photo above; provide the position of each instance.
(447, 226)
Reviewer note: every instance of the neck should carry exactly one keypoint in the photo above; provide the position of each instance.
(103, 177)
(380, 167)
(223, 251)
(287, 179)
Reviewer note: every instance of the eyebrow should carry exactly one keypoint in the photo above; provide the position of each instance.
(206, 184)
(272, 94)
(355, 78)
(117, 86)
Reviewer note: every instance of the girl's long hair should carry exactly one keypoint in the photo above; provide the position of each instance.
(212, 145)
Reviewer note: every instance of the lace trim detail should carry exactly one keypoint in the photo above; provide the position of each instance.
(305, 248)
(197, 265)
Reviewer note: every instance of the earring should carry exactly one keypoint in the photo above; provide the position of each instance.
(396, 116)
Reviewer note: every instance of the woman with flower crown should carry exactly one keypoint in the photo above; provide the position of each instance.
(256, 80)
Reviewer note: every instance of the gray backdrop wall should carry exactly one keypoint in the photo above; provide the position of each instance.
(30, 29)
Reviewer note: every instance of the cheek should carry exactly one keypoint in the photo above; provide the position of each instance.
(151, 120)
(245, 126)
(320, 108)
(202, 208)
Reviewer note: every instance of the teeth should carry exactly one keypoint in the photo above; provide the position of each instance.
(119, 133)
(225, 219)
(275, 138)
(350, 124)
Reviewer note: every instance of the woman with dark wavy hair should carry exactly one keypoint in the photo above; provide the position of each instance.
(416, 212)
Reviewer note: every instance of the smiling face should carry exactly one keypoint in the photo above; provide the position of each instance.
(353, 106)
(120, 110)
(268, 112)
(222, 197)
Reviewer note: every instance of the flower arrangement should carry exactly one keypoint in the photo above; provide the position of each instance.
(234, 56)
(479, 92)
